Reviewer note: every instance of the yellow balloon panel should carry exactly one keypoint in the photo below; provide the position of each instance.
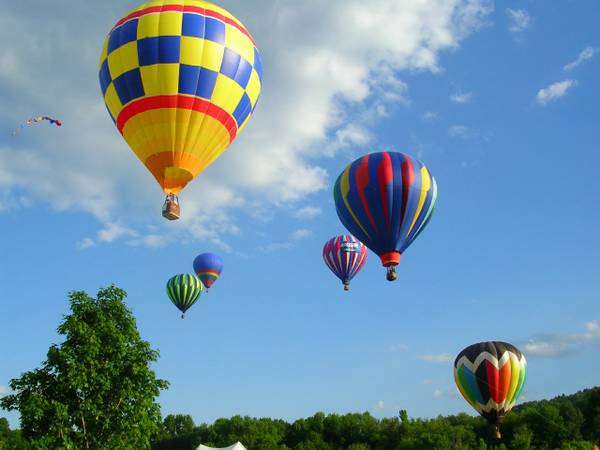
(180, 79)
(190, 143)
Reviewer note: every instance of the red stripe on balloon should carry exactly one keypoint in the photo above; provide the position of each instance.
(362, 181)
(385, 174)
(493, 381)
(408, 178)
(178, 102)
(182, 8)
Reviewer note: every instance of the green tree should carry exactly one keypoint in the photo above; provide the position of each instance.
(178, 425)
(95, 390)
(521, 439)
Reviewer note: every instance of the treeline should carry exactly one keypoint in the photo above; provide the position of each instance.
(564, 423)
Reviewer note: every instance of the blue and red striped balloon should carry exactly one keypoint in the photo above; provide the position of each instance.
(385, 199)
(345, 256)
(208, 268)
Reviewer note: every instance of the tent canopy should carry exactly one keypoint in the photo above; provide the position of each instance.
(236, 446)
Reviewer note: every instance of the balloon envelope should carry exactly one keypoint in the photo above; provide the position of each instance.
(385, 199)
(208, 268)
(184, 290)
(345, 256)
(180, 79)
(490, 376)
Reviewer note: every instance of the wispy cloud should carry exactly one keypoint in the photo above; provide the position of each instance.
(460, 131)
(294, 237)
(459, 97)
(554, 91)
(561, 345)
(430, 115)
(520, 20)
(299, 234)
(396, 348)
(586, 54)
(150, 240)
(350, 135)
(440, 393)
(85, 243)
(110, 233)
(4, 391)
(468, 133)
(439, 358)
(380, 406)
(307, 212)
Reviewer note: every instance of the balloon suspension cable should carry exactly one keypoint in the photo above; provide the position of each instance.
(391, 274)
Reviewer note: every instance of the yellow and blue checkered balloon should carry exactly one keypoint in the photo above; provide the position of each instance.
(180, 79)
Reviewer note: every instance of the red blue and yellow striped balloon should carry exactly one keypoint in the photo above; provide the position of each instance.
(180, 79)
(490, 376)
(208, 268)
(385, 199)
(345, 256)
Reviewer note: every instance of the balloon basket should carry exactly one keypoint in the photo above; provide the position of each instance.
(391, 274)
(183, 316)
(171, 210)
(346, 287)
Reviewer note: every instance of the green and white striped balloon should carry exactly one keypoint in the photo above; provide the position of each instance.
(184, 290)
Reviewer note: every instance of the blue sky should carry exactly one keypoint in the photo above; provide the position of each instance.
(500, 100)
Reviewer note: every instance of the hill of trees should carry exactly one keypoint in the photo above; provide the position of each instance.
(566, 423)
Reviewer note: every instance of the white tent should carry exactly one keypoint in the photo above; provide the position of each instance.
(236, 446)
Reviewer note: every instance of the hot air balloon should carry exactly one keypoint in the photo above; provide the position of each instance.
(184, 290)
(345, 256)
(180, 79)
(490, 376)
(385, 199)
(208, 268)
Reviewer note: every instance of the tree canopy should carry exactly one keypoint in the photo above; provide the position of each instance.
(95, 390)
(564, 423)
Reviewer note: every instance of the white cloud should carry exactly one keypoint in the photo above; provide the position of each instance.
(300, 234)
(85, 243)
(349, 136)
(440, 393)
(4, 391)
(307, 212)
(321, 73)
(560, 345)
(396, 348)
(459, 131)
(429, 115)
(380, 406)
(592, 327)
(520, 20)
(438, 358)
(468, 133)
(276, 246)
(294, 237)
(114, 231)
(150, 240)
(586, 53)
(554, 91)
(461, 97)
